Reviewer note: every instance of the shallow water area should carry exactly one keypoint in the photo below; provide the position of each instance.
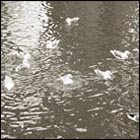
(39, 47)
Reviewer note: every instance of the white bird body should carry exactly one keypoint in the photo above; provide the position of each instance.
(107, 75)
(67, 79)
(120, 55)
(52, 44)
(25, 60)
(27, 56)
(71, 21)
(133, 116)
(26, 63)
(8, 83)
(136, 50)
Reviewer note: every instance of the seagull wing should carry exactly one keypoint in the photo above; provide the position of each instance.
(117, 54)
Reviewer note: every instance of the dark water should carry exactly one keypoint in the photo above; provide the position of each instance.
(41, 107)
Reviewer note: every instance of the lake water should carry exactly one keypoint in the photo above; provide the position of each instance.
(39, 105)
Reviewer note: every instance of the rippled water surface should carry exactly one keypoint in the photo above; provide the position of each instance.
(40, 105)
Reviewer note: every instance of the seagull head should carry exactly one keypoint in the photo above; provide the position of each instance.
(127, 52)
(108, 72)
(69, 76)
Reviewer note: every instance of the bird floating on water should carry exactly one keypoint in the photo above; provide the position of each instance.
(27, 56)
(25, 63)
(52, 44)
(120, 55)
(136, 50)
(66, 79)
(107, 75)
(133, 116)
(8, 83)
(72, 21)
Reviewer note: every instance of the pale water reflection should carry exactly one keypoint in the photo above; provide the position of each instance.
(43, 42)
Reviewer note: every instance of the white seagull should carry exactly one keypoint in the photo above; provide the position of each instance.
(66, 79)
(133, 116)
(52, 44)
(8, 83)
(25, 63)
(120, 55)
(107, 75)
(72, 21)
(27, 56)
